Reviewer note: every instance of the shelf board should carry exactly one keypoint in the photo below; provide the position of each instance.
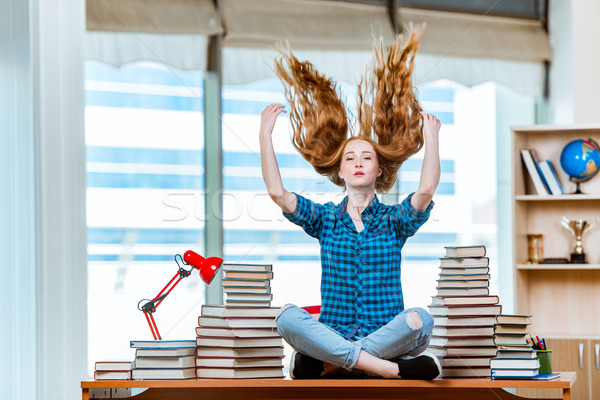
(562, 197)
(580, 129)
(564, 267)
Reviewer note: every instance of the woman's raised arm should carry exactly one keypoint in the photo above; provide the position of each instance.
(270, 170)
(430, 172)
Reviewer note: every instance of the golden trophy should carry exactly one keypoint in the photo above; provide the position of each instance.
(578, 227)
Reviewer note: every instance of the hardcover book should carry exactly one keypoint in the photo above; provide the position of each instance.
(211, 362)
(514, 363)
(472, 341)
(549, 176)
(464, 277)
(247, 275)
(465, 310)
(165, 362)
(465, 362)
(523, 353)
(112, 375)
(239, 373)
(507, 339)
(464, 270)
(237, 322)
(162, 344)
(222, 311)
(484, 351)
(443, 291)
(464, 262)
(462, 283)
(237, 342)
(465, 251)
(237, 353)
(116, 365)
(265, 283)
(248, 267)
(510, 373)
(249, 296)
(466, 372)
(513, 319)
(462, 331)
(464, 321)
(455, 300)
(237, 332)
(245, 289)
(532, 172)
(188, 351)
(248, 303)
(167, 373)
(511, 328)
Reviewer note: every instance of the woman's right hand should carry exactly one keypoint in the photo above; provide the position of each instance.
(268, 118)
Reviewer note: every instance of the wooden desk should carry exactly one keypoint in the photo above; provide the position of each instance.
(346, 389)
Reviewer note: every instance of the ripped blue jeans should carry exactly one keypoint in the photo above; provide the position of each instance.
(315, 339)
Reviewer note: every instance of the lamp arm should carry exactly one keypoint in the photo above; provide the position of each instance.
(194, 261)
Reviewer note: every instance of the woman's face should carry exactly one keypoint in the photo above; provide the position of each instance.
(359, 167)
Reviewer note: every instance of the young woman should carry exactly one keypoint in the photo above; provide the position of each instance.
(363, 326)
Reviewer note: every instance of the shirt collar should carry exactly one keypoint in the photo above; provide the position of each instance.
(371, 209)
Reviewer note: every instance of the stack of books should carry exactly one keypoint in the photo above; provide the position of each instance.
(247, 285)
(113, 370)
(464, 314)
(238, 342)
(164, 359)
(515, 357)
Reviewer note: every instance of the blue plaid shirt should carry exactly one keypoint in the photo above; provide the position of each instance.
(360, 280)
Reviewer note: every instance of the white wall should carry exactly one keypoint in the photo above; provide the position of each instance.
(575, 69)
(586, 60)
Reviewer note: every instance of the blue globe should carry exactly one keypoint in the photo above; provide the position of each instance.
(580, 159)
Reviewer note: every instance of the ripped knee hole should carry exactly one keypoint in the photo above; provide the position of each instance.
(413, 319)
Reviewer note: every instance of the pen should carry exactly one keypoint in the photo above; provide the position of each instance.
(539, 343)
(544, 344)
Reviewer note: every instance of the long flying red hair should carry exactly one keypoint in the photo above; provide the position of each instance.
(388, 110)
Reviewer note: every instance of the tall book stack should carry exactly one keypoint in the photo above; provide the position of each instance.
(164, 359)
(238, 342)
(464, 314)
(515, 357)
(240, 339)
(247, 285)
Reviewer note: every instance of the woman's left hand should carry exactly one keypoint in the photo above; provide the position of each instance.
(431, 126)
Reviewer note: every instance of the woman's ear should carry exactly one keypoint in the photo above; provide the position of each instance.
(379, 172)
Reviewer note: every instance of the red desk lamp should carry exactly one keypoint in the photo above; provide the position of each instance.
(207, 268)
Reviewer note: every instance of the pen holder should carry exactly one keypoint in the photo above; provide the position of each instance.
(545, 357)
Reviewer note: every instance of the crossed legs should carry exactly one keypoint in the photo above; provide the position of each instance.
(378, 353)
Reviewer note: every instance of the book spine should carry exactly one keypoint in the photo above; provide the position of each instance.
(550, 176)
(530, 165)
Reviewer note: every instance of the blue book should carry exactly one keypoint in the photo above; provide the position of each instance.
(539, 377)
(549, 176)
(514, 372)
(162, 344)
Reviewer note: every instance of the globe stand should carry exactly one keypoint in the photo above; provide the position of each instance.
(578, 185)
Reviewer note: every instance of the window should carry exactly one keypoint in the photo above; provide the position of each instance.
(145, 183)
(145, 157)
